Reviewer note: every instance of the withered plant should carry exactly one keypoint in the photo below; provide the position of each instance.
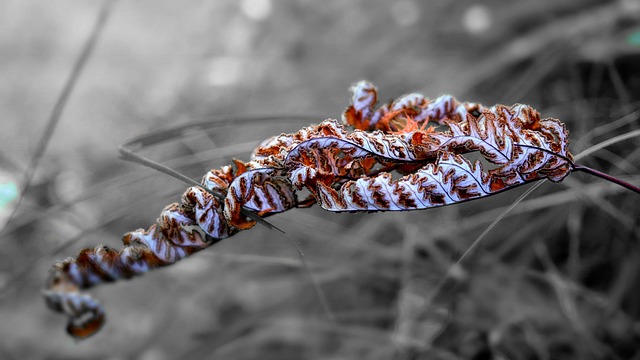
(409, 154)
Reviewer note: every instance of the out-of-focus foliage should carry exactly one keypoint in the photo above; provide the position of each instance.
(556, 279)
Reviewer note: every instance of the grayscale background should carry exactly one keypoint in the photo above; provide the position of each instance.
(557, 278)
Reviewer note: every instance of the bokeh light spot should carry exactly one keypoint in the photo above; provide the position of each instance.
(634, 38)
(256, 9)
(8, 192)
(477, 19)
(224, 71)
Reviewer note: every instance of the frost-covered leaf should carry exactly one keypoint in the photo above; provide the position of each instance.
(344, 169)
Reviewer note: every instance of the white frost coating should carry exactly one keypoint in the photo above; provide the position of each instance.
(409, 101)
(130, 256)
(364, 97)
(208, 216)
(440, 182)
(301, 175)
(74, 273)
(417, 106)
(359, 144)
(213, 182)
(104, 264)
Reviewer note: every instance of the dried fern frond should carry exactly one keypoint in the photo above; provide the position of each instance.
(344, 170)
(523, 147)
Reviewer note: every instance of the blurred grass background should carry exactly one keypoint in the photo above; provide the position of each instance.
(557, 279)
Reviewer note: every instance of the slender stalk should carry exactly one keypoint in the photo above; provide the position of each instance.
(451, 270)
(129, 155)
(604, 144)
(588, 170)
(58, 109)
(607, 177)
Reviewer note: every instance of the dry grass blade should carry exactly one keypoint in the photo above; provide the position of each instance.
(65, 94)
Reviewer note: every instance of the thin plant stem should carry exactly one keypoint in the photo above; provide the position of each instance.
(452, 270)
(575, 167)
(129, 155)
(594, 172)
(58, 108)
(609, 142)
(607, 177)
